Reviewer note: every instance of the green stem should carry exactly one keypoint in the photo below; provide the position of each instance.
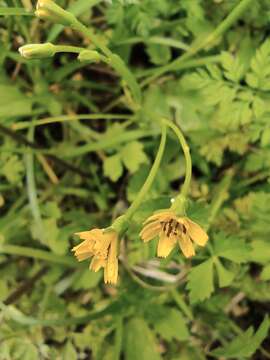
(181, 304)
(114, 60)
(210, 39)
(62, 118)
(185, 147)
(220, 197)
(31, 186)
(38, 254)
(68, 49)
(151, 176)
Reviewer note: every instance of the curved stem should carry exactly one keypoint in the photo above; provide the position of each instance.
(151, 176)
(114, 60)
(185, 147)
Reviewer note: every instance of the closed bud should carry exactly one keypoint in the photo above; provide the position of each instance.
(89, 56)
(37, 51)
(49, 10)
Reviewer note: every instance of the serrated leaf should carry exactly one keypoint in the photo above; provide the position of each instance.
(172, 326)
(231, 248)
(246, 344)
(133, 156)
(225, 276)
(140, 342)
(112, 167)
(200, 281)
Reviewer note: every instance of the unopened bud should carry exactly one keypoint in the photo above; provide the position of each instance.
(89, 56)
(37, 51)
(49, 10)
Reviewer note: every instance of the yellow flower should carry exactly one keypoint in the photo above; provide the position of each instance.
(101, 246)
(172, 229)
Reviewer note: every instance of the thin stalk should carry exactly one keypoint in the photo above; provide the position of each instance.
(113, 59)
(151, 176)
(68, 49)
(63, 118)
(38, 254)
(185, 148)
(31, 185)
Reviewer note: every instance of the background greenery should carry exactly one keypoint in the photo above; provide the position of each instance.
(62, 172)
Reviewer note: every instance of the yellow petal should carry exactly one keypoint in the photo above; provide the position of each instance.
(165, 245)
(186, 246)
(111, 268)
(197, 234)
(97, 264)
(83, 256)
(150, 231)
(102, 245)
(90, 235)
(161, 216)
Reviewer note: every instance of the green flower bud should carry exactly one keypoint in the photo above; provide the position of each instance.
(49, 10)
(37, 51)
(89, 56)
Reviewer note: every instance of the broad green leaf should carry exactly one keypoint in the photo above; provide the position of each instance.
(231, 248)
(243, 346)
(265, 274)
(200, 281)
(260, 251)
(140, 343)
(69, 352)
(133, 156)
(159, 54)
(225, 277)
(113, 167)
(172, 326)
(13, 102)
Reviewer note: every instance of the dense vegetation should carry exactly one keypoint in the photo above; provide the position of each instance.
(81, 124)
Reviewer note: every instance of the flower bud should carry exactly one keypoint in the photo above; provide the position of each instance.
(89, 56)
(49, 10)
(37, 51)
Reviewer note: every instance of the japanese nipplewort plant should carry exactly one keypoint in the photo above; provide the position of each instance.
(135, 169)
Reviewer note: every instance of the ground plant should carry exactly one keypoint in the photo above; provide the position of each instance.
(134, 179)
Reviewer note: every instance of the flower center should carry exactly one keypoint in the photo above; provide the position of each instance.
(172, 227)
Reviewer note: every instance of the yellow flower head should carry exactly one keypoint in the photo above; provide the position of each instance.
(172, 229)
(101, 246)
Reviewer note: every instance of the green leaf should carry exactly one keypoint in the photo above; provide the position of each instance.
(159, 54)
(140, 343)
(200, 281)
(225, 277)
(172, 326)
(231, 248)
(265, 274)
(12, 101)
(69, 352)
(112, 167)
(133, 156)
(244, 345)
(259, 75)
(17, 11)
(260, 251)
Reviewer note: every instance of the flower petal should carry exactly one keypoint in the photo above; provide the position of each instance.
(186, 245)
(197, 234)
(150, 231)
(165, 245)
(97, 264)
(161, 216)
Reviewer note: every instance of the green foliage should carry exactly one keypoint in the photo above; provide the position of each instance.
(203, 64)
